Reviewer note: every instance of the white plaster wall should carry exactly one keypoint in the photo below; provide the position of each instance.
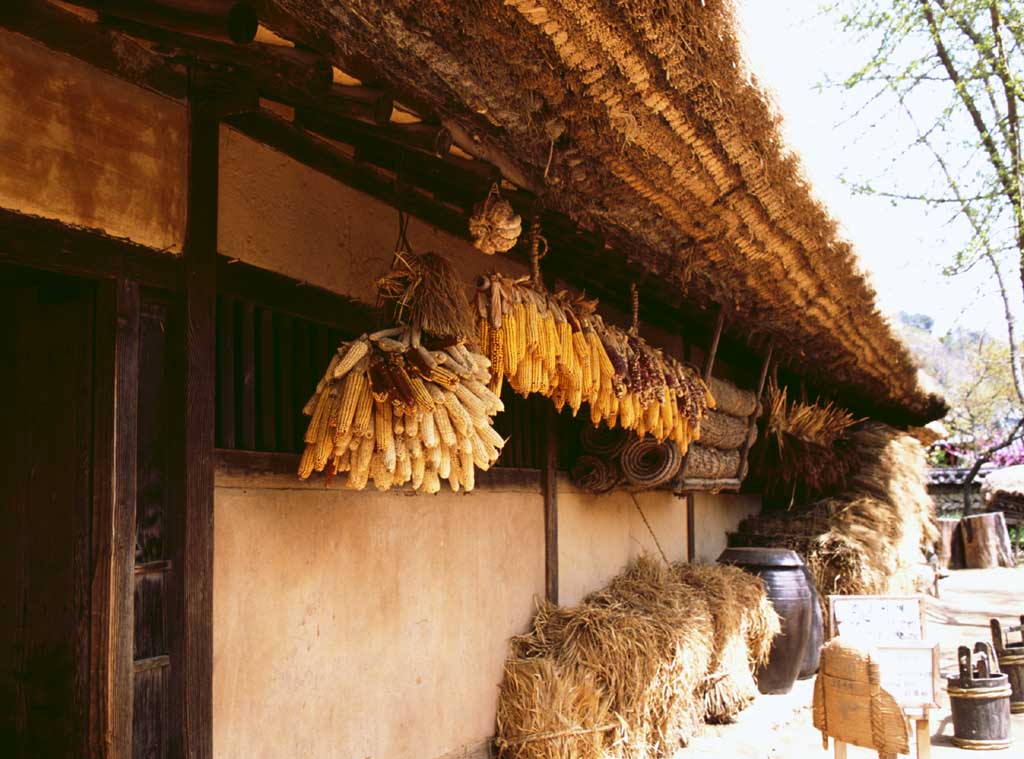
(714, 516)
(599, 534)
(279, 215)
(366, 625)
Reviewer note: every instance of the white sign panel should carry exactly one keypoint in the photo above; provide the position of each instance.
(909, 672)
(882, 618)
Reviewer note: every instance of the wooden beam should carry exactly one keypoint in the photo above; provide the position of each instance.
(709, 362)
(226, 20)
(431, 139)
(55, 246)
(110, 51)
(290, 296)
(115, 446)
(200, 263)
(691, 538)
(226, 370)
(275, 70)
(549, 485)
(745, 450)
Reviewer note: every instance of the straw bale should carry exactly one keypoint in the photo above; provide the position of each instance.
(872, 537)
(640, 662)
(711, 463)
(731, 400)
(724, 431)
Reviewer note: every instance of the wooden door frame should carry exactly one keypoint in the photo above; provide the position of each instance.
(115, 448)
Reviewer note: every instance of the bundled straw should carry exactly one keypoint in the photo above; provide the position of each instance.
(391, 410)
(745, 625)
(724, 431)
(426, 291)
(629, 665)
(729, 399)
(711, 463)
(649, 464)
(872, 537)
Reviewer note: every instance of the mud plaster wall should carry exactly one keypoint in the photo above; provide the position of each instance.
(599, 534)
(83, 147)
(713, 516)
(366, 625)
(277, 214)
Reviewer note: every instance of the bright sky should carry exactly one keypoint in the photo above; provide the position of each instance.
(792, 48)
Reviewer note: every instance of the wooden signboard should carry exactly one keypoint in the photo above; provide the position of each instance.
(910, 672)
(882, 618)
(908, 666)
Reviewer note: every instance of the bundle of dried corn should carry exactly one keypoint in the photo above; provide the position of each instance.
(624, 672)
(391, 409)
(494, 225)
(555, 345)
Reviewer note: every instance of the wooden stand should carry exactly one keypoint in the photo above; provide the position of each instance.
(986, 541)
(923, 740)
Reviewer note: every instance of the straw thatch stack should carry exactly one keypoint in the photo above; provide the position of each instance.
(634, 668)
(871, 538)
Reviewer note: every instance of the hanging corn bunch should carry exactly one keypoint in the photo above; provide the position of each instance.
(391, 410)
(494, 225)
(556, 345)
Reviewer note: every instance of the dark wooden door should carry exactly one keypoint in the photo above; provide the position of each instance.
(46, 430)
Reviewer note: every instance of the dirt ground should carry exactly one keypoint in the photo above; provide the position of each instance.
(780, 726)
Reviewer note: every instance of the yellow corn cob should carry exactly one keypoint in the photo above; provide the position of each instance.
(412, 425)
(383, 477)
(428, 429)
(491, 437)
(352, 387)
(420, 394)
(317, 422)
(403, 472)
(306, 461)
(627, 412)
(363, 414)
(401, 449)
(443, 376)
(457, 414)
(431, 481)
(343, 462)
(419, 466)
(355, 352)
(470, 402)
(652, 414)
(443, 424)
(341, 443)
(467, 474)
(492, 403)
(481, 456)
(382, 425)
(360, 470)
(530, 319)
(454, 473)
(483, 333)
(444, 466)
(576, 399)
(510, 345)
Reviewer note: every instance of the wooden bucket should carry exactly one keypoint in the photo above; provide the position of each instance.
(980, 701)
(1011, 660)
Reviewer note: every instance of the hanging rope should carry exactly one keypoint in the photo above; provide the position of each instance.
(538, 249)
(634, 291)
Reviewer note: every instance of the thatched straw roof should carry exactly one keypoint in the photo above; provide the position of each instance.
(1004, 482)
(637, 118)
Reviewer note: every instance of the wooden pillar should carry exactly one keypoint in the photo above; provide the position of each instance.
(115, 445)
(200, 258)
(549, 486)
(691, 539)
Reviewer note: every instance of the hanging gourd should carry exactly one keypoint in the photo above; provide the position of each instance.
(494, 225)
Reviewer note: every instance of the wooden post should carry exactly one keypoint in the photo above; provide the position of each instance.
(114, 495)
(709, 361)
(549, 485)
(200, 260)
(923, 736)
(691, 539)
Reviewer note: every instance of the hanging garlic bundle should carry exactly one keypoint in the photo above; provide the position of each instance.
(390, 410)
(494, 225)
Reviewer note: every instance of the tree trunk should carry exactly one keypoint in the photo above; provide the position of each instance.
(986, 541)
(951, 544)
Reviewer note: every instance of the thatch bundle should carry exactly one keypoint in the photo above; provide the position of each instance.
(805, 451)
(425, 291)
(711, 463)
(731, 400)
(724, 431)
(870, 538)
(627, 671)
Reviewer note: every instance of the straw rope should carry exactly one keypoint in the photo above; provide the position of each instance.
(650, 529)
(549, 736)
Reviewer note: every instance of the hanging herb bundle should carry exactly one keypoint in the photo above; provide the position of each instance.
(410, 404)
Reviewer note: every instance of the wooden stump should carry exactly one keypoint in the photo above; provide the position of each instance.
(951, 545)
(986, 541)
